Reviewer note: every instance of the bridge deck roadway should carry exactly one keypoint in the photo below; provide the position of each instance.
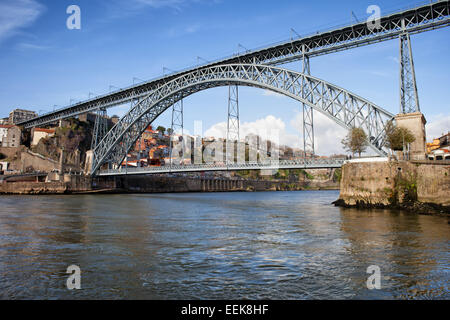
(273, 165)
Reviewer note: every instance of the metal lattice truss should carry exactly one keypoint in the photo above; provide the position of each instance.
(233, 118)
(100, 127)
(263, 165)
(233, 114)
(308, 119)
(177, 123)
(420, 19)
(340, 105)
(409, 98)
(427, 17)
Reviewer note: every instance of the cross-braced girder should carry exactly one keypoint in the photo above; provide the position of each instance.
(409, 98)
(233, 119)
(233, 113)
(177, 125)
(100, 127)
(308, 115)
(340, 105)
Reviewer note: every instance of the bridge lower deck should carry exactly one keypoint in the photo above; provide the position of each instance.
(273, 165)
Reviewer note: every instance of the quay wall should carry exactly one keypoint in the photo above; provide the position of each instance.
(148, 184)
(56, 184)
(392, 183)
(66, 185)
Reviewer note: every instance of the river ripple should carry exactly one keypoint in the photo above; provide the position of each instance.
(268, 245)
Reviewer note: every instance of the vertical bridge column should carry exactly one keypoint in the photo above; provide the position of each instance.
(410, 116)
(308, 123)
(100, 127)
(177, 123)
(409, 98)
(233, 121)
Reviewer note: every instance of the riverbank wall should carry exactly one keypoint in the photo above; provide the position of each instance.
(72, 184)
(67, 184)
(162, 184)
(413, 185)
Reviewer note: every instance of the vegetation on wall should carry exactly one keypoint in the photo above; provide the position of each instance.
(72, 137)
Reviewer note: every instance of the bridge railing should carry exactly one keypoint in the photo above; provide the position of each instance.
(271, 165)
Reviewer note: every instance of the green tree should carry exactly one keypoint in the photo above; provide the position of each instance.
(161, 129)
(398, 137)
(355, 141)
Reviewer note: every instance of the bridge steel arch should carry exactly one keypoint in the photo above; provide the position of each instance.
(343, 107)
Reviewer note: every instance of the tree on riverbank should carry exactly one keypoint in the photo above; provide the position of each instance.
(398, 137)
(355, 141)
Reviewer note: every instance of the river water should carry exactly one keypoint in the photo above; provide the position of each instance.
(268, 245)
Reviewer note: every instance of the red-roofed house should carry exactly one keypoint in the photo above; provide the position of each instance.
(38, 133)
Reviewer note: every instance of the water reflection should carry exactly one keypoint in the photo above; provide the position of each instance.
(275, 245)
(411, 250)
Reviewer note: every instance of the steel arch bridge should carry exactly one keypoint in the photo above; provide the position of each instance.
(345, 108)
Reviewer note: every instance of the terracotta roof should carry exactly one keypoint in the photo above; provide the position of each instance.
(44, 130)
(7, 126)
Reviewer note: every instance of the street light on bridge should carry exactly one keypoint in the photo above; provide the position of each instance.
(293, 31)
(111, 87)
(241, 46)
(135, 78)
(200, 58)
(164, 70)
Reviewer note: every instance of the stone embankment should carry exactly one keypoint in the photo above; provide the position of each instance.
(417, 186)
(70, 184)
(161, 184)
(67, 184)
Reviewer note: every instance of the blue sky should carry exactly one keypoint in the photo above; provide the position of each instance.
(43, 64)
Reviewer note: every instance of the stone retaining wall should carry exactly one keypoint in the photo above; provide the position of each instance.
(392, 182)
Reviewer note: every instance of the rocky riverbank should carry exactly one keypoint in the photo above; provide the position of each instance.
(419, 187)
(411, 206)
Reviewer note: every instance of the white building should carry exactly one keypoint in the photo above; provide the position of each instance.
(39, 133)
(10, 135)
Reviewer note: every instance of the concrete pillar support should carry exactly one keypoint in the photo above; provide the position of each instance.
(416, 123)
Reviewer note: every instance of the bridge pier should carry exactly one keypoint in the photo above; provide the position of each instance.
(308, 121)
(409, 98)
(233, 114)
(100, 127)
(416, 123)
(177, 123)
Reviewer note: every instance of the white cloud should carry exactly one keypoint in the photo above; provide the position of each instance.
(174, 4)
(328, 134)
(178, 32)
(437, 126)
(17, 14)
(394, 59)
(162, 3)
(30, 46)
(268, 128)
